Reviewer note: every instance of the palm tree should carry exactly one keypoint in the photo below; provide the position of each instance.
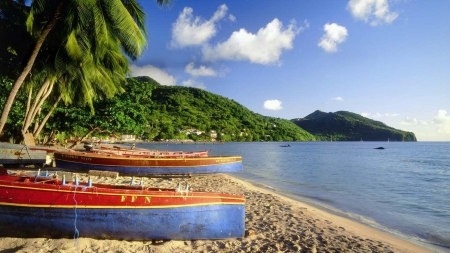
(90, 66)
(120, 20)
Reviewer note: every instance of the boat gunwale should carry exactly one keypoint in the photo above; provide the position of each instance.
(94, 190)
(82, 190)
(137, 157)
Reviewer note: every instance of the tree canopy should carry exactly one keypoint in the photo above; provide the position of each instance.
(80, 47)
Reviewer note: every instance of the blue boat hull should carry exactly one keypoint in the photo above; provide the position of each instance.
(178, 223)
(148, 171)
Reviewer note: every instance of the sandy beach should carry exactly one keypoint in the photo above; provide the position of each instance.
(273, 223)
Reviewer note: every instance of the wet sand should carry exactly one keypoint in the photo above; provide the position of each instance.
(274, 223)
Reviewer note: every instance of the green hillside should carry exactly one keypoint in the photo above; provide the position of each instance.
(154, 112)
(347, 126)
(175, 107)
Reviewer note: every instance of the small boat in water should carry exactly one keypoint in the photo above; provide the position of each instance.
(53, 208)
(141, 165)
(285, 146)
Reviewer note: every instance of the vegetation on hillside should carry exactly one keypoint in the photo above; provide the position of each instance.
(347, 126)
(154, 112)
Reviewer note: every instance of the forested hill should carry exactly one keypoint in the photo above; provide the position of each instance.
(175, 108)
(347, 126)
(154, 112)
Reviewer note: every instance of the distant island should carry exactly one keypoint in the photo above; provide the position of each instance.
(348, 126)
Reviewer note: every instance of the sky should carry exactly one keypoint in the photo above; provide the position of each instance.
(387, 60)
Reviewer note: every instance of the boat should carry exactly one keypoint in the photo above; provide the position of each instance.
(51, 207)
(285, 146)
(147, 152)
(139, 165)
(20, 155)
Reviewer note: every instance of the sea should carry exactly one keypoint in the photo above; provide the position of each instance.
(402, 189)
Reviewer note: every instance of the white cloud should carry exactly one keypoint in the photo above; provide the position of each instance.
(413, 121)
(273, 105)
(159, 75)
(378, 115)
(264, 47)
(193, 83)
(306, 23)
(334, 35)
(338, 99)
(436, 129)
(441, 117)
(231, 18)
(201, 71)
(194, 31)
(443, 121)
(374, 12)
(391, 114)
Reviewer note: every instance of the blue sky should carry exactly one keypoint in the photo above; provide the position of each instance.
(388, 60)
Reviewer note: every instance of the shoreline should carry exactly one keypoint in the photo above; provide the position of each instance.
(352, 226)
(273, 223)
(364, 221)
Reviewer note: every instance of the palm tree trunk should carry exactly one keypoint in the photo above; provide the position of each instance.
(39, 104)
(30, 110)
(41, 126)
(30, 93)
(36, 123)
(27, 69)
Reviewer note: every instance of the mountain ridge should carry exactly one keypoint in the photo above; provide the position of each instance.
(319, 125)
(348, 126)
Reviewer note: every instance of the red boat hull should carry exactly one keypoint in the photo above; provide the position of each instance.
(46, 207)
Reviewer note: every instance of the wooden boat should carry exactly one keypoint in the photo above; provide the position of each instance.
(52, 208)
(149, 153)
(138, 165)
(17, 154)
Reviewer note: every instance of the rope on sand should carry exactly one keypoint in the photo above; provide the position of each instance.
(76, 235)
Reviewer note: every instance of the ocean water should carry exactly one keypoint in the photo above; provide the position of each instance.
(403, 189)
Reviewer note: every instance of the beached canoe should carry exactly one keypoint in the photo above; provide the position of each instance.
(18, 154)
(149, 153)
(138, 165)
(51, 208)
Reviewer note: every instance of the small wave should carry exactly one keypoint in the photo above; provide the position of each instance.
(438, 240)
(365, 220)
(269, 187)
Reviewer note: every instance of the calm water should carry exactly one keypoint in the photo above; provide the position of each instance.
(403, 189)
